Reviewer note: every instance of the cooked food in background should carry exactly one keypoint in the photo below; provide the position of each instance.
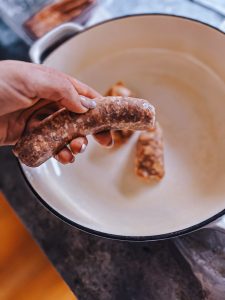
(55, 14)
(57, 130)
(149, 158)
(120, 137)
(119, 89)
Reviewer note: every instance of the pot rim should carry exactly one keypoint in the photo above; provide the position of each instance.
(117, 236)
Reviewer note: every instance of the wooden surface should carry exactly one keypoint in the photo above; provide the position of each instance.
(25, 272)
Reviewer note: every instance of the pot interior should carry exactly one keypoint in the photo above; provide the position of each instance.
(178, 65)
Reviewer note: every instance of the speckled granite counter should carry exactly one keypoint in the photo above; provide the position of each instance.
(96, 268)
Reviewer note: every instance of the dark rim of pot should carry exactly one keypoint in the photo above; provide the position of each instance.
(115, 236)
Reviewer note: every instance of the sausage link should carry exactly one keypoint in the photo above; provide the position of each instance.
(120, 137)
(53, 133)
(149, 159)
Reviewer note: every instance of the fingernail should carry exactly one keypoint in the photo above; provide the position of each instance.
(110, 144)
(83, 147)
(72, 160)
(88, 103)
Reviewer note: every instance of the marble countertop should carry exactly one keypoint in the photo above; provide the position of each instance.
(93, 267)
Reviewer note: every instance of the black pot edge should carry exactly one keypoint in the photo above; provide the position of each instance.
(121, 237)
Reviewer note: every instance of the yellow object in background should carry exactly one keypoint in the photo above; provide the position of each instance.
(25, 272)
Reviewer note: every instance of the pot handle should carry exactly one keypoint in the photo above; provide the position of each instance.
(52, 39)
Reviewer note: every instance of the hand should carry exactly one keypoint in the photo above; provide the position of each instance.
(29, 93)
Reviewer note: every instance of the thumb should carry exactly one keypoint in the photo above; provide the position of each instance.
(55, 86)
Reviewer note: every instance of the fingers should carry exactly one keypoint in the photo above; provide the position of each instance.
(75, 103)
(58, 87)
(50, 84)
(78, 145)
(104, 138)
(24, 84)
(87, 102)
(84, 89)
(54, 86)
(66, 155)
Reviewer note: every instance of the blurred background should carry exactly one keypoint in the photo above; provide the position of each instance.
(30, 19)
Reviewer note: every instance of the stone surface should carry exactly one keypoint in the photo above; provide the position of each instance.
(97, 268)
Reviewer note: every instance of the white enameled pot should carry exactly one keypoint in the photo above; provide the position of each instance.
(176, 63)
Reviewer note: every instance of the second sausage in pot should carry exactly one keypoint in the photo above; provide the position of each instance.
(149, 159)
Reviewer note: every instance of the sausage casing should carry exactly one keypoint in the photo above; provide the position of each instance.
(120, 137)
(149, 159)
(54, 132)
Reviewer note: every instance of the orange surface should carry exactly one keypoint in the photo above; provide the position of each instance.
(25, 272)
